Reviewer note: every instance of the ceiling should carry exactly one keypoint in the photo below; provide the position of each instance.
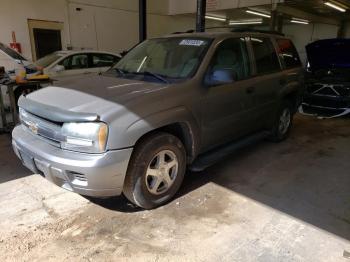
(317, 7)
(313, 7)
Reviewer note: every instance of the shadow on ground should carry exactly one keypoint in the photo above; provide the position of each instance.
(307, 176)
(11, 167)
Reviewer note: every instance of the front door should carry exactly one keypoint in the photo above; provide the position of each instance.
(76, 64)
(227, 108)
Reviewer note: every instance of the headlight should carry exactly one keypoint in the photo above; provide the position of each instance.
(85, 137)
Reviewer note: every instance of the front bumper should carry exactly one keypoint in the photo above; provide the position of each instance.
(97, 175)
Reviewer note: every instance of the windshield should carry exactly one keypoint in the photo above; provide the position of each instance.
(176, 58)
(12, 53)
(48, 60)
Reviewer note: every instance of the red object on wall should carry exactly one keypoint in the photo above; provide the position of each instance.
(14, 45)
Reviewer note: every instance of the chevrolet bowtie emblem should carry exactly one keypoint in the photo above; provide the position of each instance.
(33, 127)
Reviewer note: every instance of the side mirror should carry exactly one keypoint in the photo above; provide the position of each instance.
(220, 77)
(59, 68)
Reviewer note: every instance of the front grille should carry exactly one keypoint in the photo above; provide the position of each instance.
(326, 102)
(45, 129)
(329, 89)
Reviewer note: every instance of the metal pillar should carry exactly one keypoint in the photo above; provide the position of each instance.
(280, 23)
(142, 20)
(341, 30)
(200, 16)
(273, 20)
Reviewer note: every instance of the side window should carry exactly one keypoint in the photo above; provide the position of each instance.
(66, 62)
(288, 53)
(231, 55)
(103, 60)
(265, 56)
(79, 61)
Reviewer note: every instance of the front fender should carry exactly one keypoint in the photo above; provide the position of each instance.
(130, 135)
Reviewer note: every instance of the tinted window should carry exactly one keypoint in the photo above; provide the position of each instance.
(66, 62)
(78, 61)
(232, 55)
(265, 55)
(103, 60)
(288, 53)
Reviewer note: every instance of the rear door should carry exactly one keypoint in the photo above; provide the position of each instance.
(268, 80)
(293, 70)
(227, 108)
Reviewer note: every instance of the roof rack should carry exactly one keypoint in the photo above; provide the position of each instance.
(242, 30)
(236, 30)
(188, 32)
(247, 29)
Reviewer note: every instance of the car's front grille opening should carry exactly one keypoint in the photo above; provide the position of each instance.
(77, 178)
(43, 128)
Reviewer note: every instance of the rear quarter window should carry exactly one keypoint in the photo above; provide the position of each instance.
(288, 53)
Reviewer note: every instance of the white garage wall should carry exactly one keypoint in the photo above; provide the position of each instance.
(14, 15)
(114, 29)
(105, 24)
(305, 34)
(113, 25)
(347, 30)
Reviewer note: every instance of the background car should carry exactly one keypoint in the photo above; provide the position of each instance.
(327, 78)
(68, 63)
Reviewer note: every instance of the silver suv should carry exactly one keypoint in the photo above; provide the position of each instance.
(178, 101)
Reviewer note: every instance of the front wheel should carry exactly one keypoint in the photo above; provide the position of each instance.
(156, 170)
(283, 123)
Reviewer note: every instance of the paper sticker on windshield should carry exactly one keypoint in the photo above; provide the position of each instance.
(192, 42)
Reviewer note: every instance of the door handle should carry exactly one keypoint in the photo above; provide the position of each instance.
(250, 89)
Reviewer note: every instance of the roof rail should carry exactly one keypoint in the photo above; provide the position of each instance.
(237, 30)
(188, 32)
(243, 30)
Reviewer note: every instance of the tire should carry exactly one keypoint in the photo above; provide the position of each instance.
(283, 122)
(156, 170)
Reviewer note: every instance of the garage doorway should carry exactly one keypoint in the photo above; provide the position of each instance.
(45, 37)
(46, 41)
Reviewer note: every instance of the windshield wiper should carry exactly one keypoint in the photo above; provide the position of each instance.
(120, 71)
(124, 72)
(161, 78)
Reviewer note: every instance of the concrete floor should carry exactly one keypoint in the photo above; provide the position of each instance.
(272, 202)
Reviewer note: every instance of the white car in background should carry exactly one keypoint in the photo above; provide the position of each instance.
(68, 63)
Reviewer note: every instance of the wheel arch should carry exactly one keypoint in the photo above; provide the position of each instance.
(178, 122)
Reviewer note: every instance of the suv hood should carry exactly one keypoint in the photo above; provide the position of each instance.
(329, 54)
(98, 94)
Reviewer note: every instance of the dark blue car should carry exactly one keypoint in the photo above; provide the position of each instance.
(328, 78)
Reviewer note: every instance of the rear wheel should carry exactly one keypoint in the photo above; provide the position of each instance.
(156, 170)
(283, 122)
